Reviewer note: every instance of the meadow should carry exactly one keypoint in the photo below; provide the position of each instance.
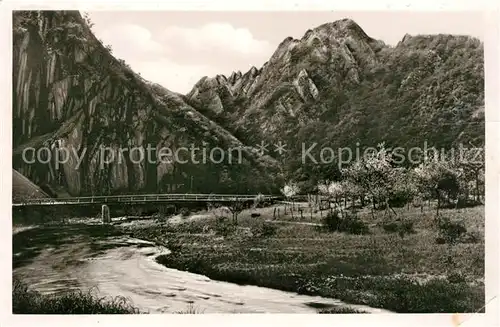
(418, 270)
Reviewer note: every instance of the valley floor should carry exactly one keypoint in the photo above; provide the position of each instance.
(400, 273)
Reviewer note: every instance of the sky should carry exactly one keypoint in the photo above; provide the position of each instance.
(176, 49)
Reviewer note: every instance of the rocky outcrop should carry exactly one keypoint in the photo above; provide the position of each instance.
(305, 87)
(298, 75)
(71, 93)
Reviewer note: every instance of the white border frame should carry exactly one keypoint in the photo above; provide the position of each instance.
(492, 56)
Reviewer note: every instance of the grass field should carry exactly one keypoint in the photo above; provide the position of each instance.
(409, 273)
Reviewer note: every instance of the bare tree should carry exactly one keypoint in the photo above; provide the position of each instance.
(236, 207)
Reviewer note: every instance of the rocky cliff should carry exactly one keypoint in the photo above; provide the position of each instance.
(69, 92)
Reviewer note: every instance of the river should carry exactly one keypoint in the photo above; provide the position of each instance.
(131, 270)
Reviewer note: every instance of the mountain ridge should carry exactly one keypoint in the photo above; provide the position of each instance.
(338, 86)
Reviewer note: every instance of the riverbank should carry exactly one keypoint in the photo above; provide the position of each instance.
(409, 273)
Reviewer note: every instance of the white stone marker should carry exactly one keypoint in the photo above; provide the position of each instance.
(106, 219)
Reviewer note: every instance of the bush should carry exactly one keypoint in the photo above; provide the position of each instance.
(332, 221)
(391, 227)
(223, 226)
(436, 296)
(349, 224)
(456, 278)
(464, 203)
(471, 237)
(440, 240)
(407, 227)
(399, 200)
(450, 231)
(401, 227)
(353, 225)
(264, 230)
(25, 301)
(184, 212)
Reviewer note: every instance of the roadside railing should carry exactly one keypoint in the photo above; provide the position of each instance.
(108, 199)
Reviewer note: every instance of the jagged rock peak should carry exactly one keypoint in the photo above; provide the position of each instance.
(308, 33)
(287, 41)
(221, 78)
(253, 71)
(344, 27)
(232, 76)
(406, 38)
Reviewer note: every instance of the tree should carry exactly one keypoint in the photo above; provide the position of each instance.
(236, 207)
(289, 190)
(403, 188)
(88, 21)
(436, 178)
(334, 191)
(472, 164)
(370, 175)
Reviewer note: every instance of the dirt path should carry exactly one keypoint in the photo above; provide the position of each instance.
(292, 222)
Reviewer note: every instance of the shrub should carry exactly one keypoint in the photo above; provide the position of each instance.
(184, 212)
(399, 200)
(332, 221)
(456, 278)
(450, 231)
(440, 240)
(353, 225)
(191, 227)
(223, 226)
(407, 227)
(391, 227)
(471, 237)
(264, 230)
(348, 224)
(401, 227)
(25, 301)
(437, 296)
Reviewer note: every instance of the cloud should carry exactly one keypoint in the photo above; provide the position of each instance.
(174, 76)
(177, 57)
(217, 36)
(129, 41)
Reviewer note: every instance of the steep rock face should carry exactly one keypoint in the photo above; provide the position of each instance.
(70, 92)
(329, 57)
(338, 87)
